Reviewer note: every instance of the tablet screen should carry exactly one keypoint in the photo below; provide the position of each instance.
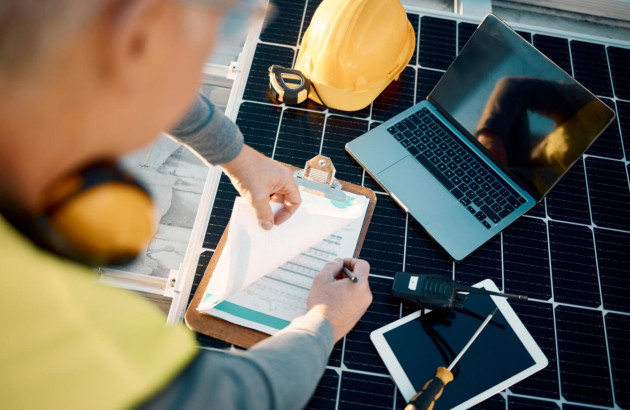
(434, 339)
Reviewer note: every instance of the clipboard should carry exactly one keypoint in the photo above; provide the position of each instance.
(316, 177)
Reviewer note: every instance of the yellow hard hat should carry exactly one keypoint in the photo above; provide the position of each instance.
(353, 49)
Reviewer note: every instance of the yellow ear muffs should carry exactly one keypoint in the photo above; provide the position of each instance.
(111, 221)
(98, 216)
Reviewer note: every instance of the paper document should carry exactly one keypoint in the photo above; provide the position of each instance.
(262, 278)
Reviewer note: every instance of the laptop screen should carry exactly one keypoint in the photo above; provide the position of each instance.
(528, 113)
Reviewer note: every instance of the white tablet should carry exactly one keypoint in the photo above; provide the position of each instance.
(504, 352)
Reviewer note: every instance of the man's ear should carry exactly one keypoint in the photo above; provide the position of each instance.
(130, 29)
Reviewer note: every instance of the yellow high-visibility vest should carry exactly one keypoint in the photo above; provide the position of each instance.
(70, 342)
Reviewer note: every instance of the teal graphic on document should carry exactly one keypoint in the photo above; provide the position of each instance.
(342, 205)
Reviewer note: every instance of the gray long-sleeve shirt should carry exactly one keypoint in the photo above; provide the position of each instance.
(278, 373)
(210, 134)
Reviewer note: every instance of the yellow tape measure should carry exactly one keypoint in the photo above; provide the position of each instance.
(287, 85)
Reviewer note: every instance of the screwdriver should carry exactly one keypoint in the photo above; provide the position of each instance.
(425, 399)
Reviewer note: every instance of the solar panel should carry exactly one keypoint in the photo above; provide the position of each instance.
(569, 253)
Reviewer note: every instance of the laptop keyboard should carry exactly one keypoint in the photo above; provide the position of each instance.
(477, 186)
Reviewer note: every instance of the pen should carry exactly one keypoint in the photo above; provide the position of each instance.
(349, 274)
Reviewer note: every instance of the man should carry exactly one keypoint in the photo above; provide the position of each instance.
(87, 81)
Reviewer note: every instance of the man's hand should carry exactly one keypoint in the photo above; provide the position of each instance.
(337, 298)
(257, 178)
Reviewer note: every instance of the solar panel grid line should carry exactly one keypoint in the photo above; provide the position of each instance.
(404, 261)
(551, 300)
(556, 358)
(284, 107)
(610, 74)
(303, 23)
(599, 280)
(414, 19)
(610, 367)
(571, 60)
(600, 309)
(502, 263)
(321, 142)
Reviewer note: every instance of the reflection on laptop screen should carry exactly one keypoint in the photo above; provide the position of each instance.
(532, 116)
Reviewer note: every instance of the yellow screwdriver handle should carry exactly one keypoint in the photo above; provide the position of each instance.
(425, 399)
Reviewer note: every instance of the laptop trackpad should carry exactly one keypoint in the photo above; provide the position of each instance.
(417, 189)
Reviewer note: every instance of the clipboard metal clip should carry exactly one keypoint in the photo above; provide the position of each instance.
(318, 177)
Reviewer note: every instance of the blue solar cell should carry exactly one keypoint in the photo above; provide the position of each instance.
(359, 353)
(221, 211)
(464, 32)
(259, 125)
(427, 79)
(300, 136)
(485, 263)
(524, 403)
(618, 332)
(526, 259)
(384, 242)
(584, 371)
(336, 355)
(398, 96)
(590, 67)
(623, 113)
(360, 390)
(325, 396)
(619, 59)
(556, 49)
(283, 25)
(608, 192)
(437, 42)
(526, 35)
(573, 265)
(613, 249)
(568, 200)
(338, 132)
(539, 321)
(495, 402)
(568, 406)
(423, 254)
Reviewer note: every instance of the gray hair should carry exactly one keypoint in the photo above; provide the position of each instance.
(30, 30)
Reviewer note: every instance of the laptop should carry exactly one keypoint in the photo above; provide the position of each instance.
(498, 131)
